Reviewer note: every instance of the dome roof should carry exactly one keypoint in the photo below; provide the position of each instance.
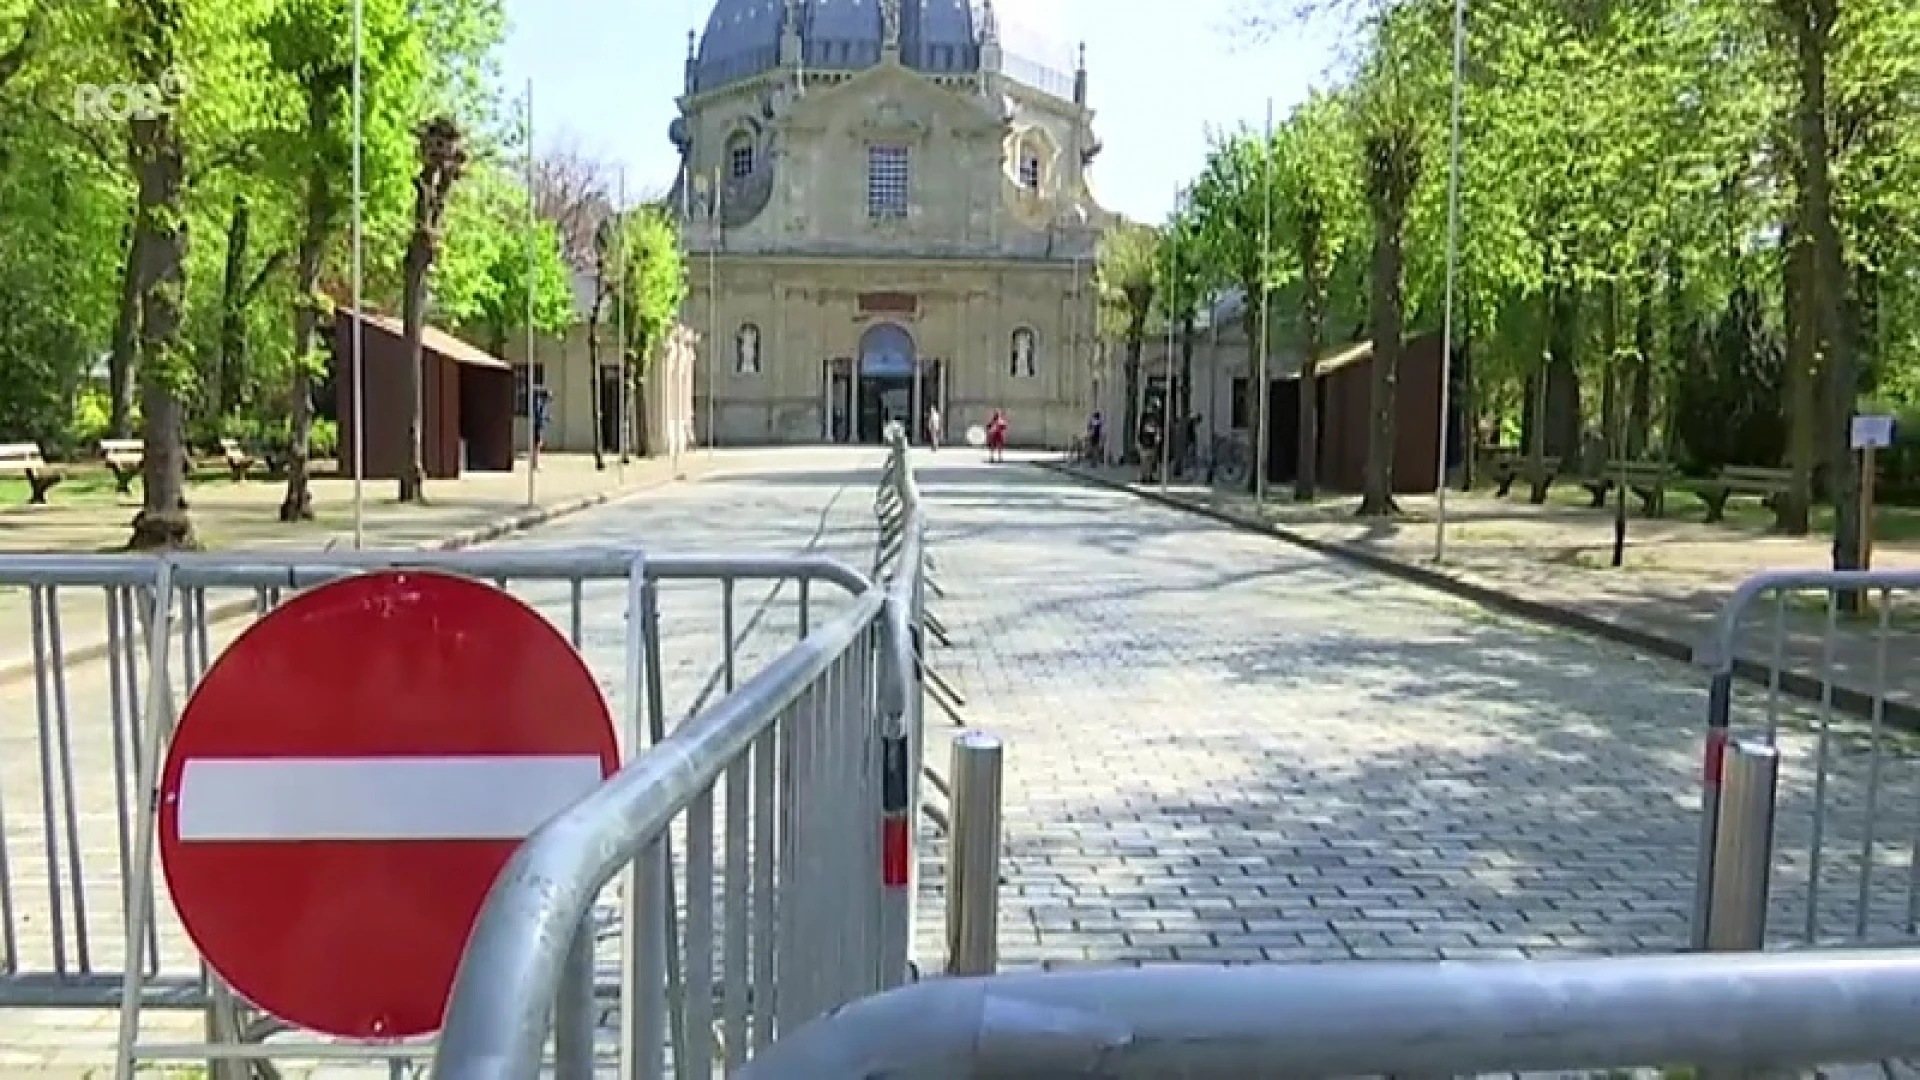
(743, 37)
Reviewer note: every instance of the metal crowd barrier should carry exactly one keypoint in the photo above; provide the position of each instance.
(82, 924)
(813, 757)
(1810, 830)
(1746, 1011)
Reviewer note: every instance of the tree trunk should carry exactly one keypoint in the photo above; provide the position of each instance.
(419, 259)
(1795, 512)
(1812, 39)
(1563, 414)
(230, 362)
(1129, 436)
(126, 341)
(316, 225)
(1313, 305)
(593, 365)
(1388, 322)
(1640, 396)
(158, 152)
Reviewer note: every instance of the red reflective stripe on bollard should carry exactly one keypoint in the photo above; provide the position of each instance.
(1714, 764)
(893, 851)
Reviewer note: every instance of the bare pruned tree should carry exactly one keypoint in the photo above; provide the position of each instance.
(571, 190)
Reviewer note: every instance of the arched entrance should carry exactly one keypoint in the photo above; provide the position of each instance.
(888, 361)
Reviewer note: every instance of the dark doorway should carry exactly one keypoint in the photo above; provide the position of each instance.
(887, 362)
(839, 418)
(610, 408)
(932, 396)
(1283, 438)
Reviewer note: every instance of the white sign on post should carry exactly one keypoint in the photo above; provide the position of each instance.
(1872, 432)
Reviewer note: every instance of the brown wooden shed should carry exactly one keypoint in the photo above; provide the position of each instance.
(1345, 392)
(467, 400)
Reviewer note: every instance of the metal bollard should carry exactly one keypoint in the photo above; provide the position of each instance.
(1743, 850)
(973, 855)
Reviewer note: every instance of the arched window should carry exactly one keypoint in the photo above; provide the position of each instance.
(746, 350)
(1020, 361)
(740, 161)
(1029, 169)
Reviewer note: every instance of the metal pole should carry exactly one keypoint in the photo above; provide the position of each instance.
(973, 855)
(533, 391)
(574, 1010)
(625, 435)
(1166, 397)
(1743, 849)
(1260, 382)
(713, 310)
(359, 361)
(1453, 269)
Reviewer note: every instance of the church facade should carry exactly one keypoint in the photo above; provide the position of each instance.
(885, 214)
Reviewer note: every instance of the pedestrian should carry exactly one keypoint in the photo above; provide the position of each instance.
(1096, 439)
(997, 436)
(1152, 442)
(933, 427)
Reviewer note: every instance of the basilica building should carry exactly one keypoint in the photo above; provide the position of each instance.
(887, 212)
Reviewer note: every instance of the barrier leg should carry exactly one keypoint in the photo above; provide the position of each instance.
(574, 1017)
(973, 855)
(1743, 850)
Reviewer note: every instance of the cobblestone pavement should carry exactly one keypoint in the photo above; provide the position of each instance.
(787, 503)
(1226, 748)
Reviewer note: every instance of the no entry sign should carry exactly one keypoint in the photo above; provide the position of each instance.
(349, 779)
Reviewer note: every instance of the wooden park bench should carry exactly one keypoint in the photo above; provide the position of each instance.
(1772, 485)
(1506, 470)
(237, 457)
(124, 458)
(1648, 480)
(25, 459)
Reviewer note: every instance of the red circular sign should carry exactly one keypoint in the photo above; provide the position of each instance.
(349, 779)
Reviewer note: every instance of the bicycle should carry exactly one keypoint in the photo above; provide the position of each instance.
(1228, 461)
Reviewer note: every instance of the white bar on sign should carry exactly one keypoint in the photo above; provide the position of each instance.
(390, 798)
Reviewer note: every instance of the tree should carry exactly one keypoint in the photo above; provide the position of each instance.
(1393, 143)
(1316, 207)
(1126, 276)
(652, 286)
(152, 32)
(443, 156)
(1234, 206)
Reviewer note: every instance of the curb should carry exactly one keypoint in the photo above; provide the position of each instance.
(1846, 699)
(499, 528)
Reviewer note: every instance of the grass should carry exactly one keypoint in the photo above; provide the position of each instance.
(86, 485)
(1891, 524)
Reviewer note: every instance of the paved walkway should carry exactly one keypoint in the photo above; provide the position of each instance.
(1224, 747)
(1554, 562)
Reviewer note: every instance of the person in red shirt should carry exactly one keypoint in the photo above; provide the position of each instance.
(997, 436)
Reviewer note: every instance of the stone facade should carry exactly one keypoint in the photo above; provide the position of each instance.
(876, 240)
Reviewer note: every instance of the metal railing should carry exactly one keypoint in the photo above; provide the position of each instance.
(118, 643)
(814, 758)
(1809, 763)
(1304, 1022)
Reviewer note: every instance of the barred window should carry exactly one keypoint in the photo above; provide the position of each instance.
(887, 178)
(740, 160)
(1030, 171)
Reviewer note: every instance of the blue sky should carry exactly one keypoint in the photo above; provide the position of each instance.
(1162, 74)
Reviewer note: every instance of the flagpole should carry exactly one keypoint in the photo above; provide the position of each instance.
(1261, 390)
(358, 346)
(1453, 270)
(1166, 397)
(620, 323)
(533, 390)
(713, 309)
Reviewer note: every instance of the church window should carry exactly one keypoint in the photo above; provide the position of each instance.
(1029, 170)
(1020, 354)
(887, 177)
(740, 160)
